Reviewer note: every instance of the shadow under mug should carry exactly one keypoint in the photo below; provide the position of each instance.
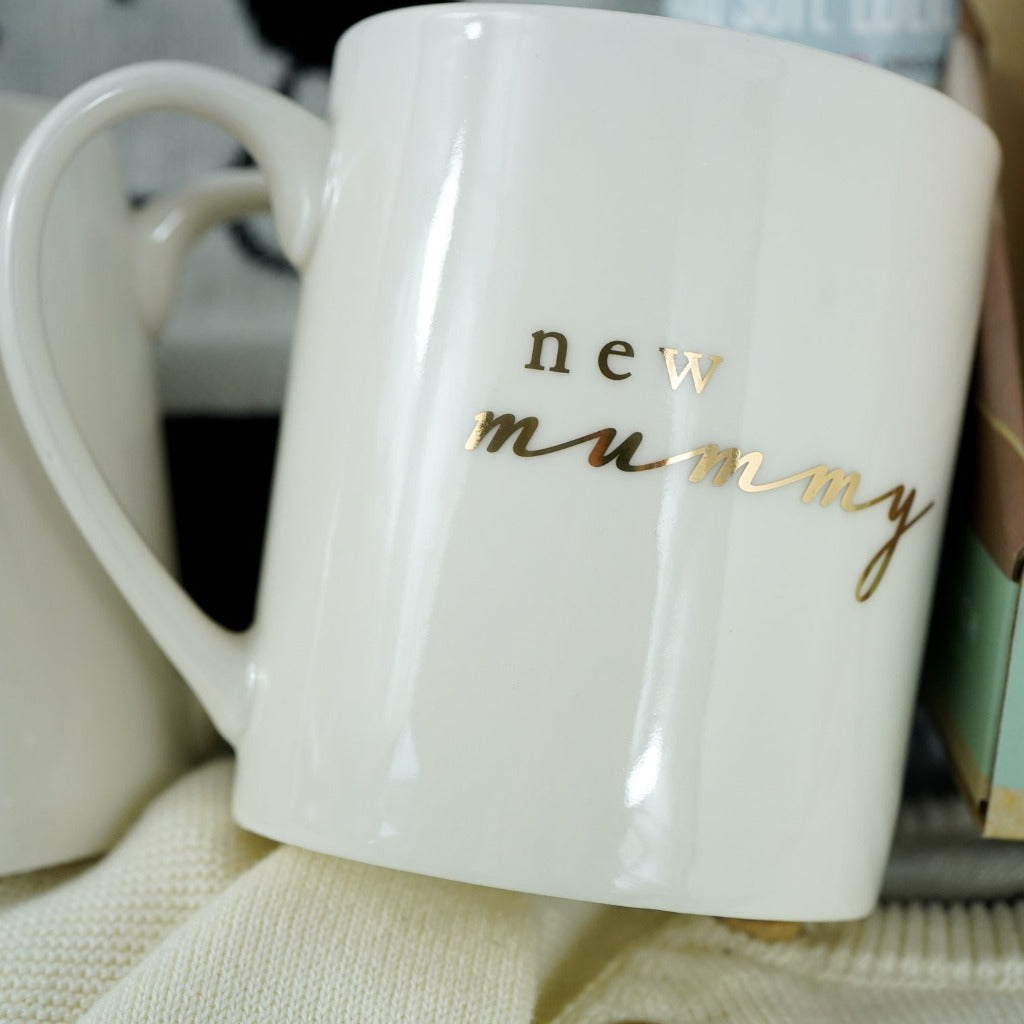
(92, 717)
(621, 413)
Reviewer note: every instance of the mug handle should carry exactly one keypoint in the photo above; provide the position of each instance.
(291, 147)
(165, 229)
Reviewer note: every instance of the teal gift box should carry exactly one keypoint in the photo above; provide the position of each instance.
(973, 680)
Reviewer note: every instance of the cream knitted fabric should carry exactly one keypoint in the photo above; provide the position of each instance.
(69, 935)
(191, 919)
(305, 938)
(916, 965)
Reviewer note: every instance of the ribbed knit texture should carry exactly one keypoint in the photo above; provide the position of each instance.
(191, 919)
(68, 940)
(304, 938)
(919, 964)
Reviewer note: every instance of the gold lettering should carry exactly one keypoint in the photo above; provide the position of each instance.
(621, 456)
(899, 513)
(833, 481)
(539, 337)
(692, 368)
(728, 461)
(822, 483)
(614, 348)
(504, 427)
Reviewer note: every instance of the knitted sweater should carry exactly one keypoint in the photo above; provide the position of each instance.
(189, 918)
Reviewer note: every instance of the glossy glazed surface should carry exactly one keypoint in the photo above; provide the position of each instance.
(638, 643)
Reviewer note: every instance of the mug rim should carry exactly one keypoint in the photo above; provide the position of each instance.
(771, 45)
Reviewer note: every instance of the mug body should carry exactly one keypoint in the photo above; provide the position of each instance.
(624, 398)
(92, 717)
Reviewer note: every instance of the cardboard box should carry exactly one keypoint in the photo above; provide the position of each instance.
(998, 27)
(974, 669)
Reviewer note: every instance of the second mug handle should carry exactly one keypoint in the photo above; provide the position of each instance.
(291, 147)
(165, 229)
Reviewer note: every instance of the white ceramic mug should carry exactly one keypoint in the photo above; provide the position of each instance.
(92, 716)
(627, 378)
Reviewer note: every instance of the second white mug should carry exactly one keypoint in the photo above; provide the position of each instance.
(93, 719)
